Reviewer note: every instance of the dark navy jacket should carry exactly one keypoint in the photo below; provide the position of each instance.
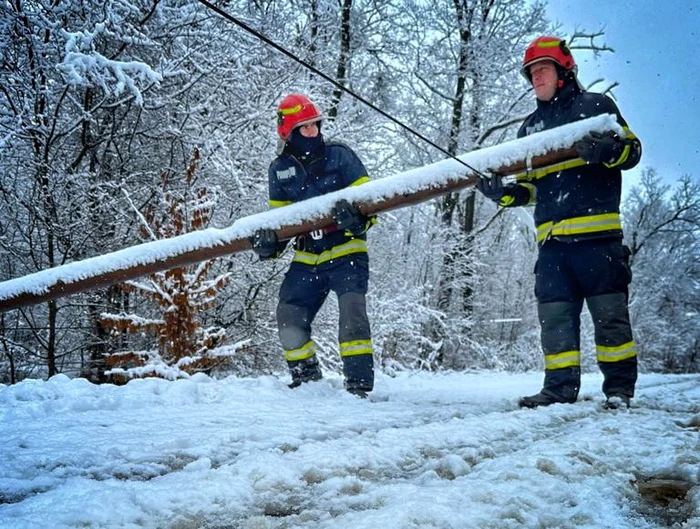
(335, 167)
(574, 200)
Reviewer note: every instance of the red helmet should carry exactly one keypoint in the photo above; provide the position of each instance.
(293, 111)
(548, 49)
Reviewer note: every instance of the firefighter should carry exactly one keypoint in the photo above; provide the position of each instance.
(577, 214)
(334, 258)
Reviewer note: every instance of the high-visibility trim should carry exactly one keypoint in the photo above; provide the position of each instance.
(291, 110)
(562, 360)
(305, 351)
(356, 347)
(278, 203)
(629, 135)
(544, 171)
(616, 354)
(622, 159)
(549, 44)
(360, 181)
(533, 193)
(578, 225)
(506, 200)
(350, 247)
(371, 221)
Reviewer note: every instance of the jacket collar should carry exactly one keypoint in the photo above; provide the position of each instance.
(562, 96)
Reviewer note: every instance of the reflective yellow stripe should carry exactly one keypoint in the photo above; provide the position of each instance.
(292, 110)
(350, 247)
(622, 159)
(617, 353)
(561, 360)
(549, 44)
(278, 203)
(629, 135)
(356, 347)
(577, 225)
(305, 351)
(360, 181)
(533, 193)
(544, 171)
(506, 200)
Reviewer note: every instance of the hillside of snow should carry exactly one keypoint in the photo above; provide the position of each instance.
(424, 451)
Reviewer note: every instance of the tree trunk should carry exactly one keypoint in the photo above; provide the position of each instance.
(344, 57)
(449, 202)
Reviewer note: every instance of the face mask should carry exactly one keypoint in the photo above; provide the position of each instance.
(304, 146)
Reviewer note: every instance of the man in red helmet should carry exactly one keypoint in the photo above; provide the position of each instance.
(577, 213)
(331, 259)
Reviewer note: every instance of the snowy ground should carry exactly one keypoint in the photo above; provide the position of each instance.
(425, 451)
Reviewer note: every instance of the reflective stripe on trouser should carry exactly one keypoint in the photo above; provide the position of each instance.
(303, 364)
(615, 347)
(294, 326)
(560, 323)
(302, 294)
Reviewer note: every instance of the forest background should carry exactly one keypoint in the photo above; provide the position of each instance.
(129, 120)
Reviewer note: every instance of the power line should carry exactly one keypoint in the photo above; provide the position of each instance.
(335, 83)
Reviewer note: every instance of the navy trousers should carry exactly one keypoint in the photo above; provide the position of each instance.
(301, 296)
(566, 275)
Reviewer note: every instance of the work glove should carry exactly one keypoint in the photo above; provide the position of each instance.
(264, 243)
(348, 218)
(491, 188)
(600, 148)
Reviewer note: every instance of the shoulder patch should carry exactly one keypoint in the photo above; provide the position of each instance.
(535, 127)
(286, 174)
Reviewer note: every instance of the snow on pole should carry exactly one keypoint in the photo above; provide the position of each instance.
(536, 151)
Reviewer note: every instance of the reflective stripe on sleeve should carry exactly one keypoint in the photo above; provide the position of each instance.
(278, 203)
(360, 181)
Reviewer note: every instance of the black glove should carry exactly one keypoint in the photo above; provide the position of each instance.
(264, 243)
(348, 218)
(491, 188)
(600, 148)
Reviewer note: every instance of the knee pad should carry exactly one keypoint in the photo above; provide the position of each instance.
(353, 322)
(611, 319)
(293, 326)
(561, 326)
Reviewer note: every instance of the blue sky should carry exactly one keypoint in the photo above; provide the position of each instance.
(656, 62)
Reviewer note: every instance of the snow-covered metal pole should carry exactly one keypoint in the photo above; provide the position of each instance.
(535, 152)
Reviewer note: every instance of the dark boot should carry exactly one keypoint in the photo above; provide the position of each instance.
(359, 374)
(307, 370)
(560, 386)
(359, 393)
(616, 401)
(541, 399)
